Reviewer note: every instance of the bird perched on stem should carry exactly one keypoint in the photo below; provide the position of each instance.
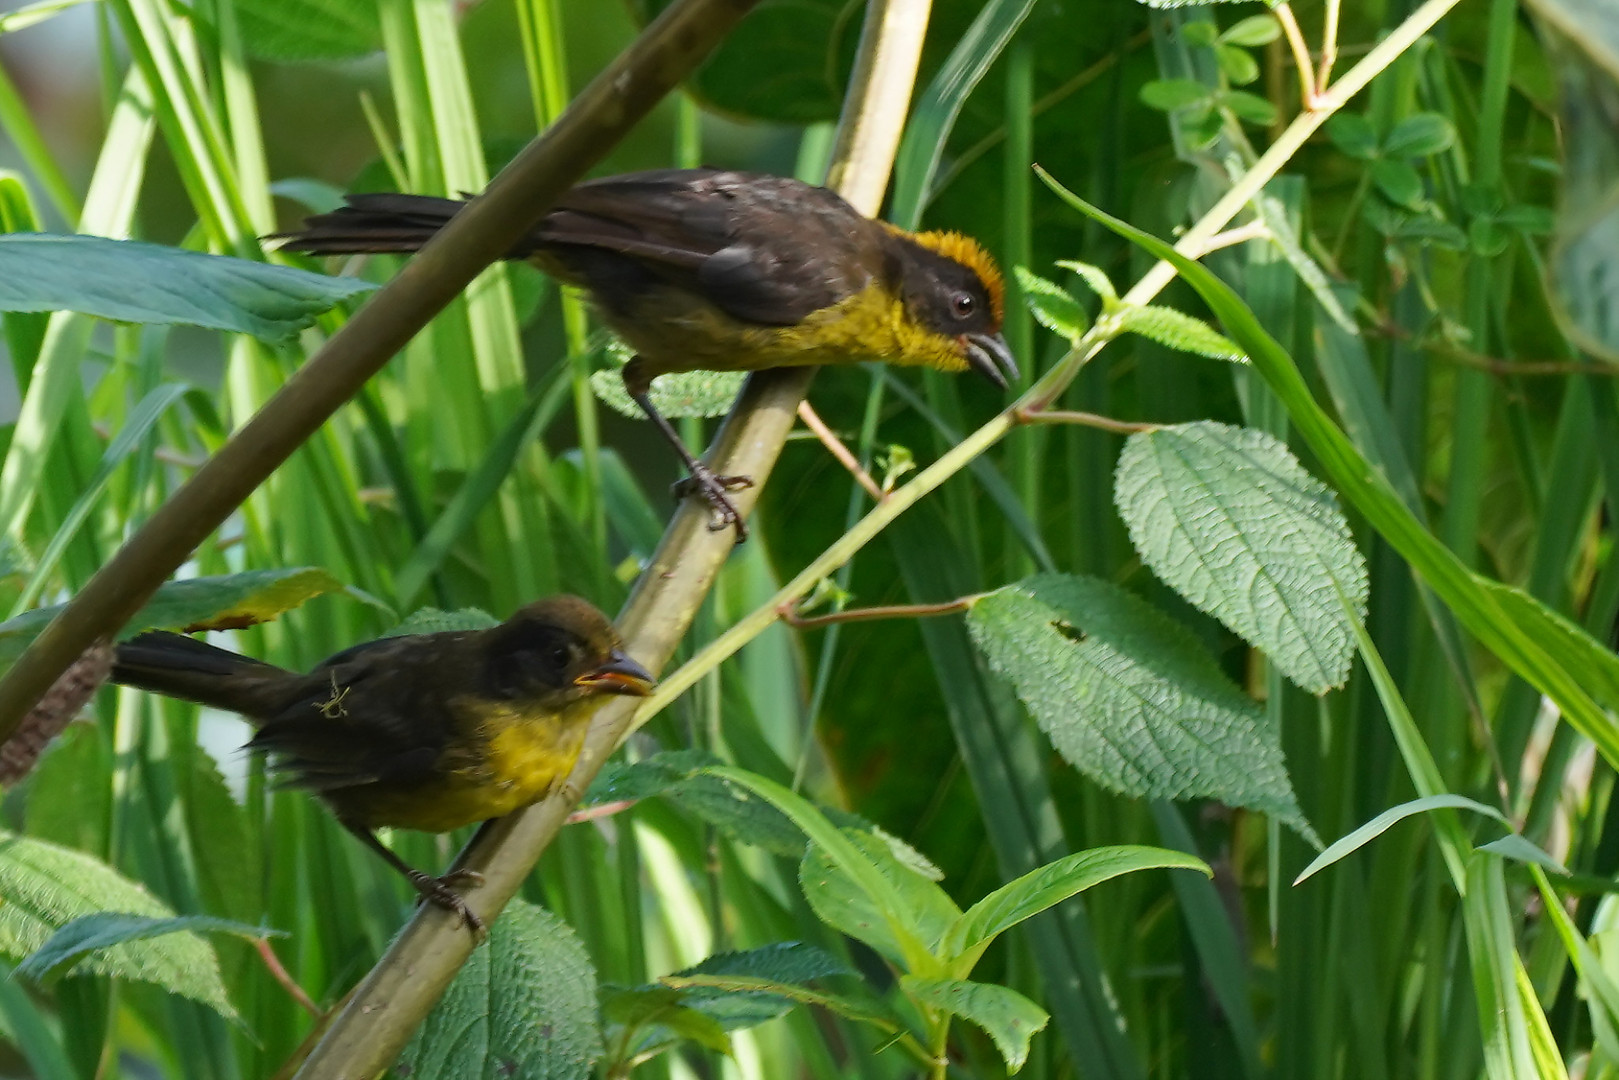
(699, 269)
(420, 731)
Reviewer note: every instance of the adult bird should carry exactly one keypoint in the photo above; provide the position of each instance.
(703, 269)
(419, 731)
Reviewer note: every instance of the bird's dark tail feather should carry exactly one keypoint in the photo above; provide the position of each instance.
(377, 223)
(183, 667)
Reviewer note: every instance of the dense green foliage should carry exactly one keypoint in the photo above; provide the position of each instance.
(1315, 544)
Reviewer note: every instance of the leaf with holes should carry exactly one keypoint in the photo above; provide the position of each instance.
(1129, 698)
(1230, 519)
(524, 1007)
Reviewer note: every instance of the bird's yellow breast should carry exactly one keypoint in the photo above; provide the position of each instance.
(674, 330)
(509, 758)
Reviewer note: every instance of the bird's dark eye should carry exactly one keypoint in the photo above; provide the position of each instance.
(559, 656)
(963, 304)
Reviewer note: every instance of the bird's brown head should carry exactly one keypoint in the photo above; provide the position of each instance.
(952, 287)
(562, 645)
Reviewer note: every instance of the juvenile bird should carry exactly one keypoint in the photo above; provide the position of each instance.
(421, 731)
(699, 269)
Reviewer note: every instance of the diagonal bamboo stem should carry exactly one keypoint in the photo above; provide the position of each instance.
(393, 998)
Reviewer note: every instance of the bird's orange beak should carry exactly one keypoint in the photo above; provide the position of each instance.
(620, 675)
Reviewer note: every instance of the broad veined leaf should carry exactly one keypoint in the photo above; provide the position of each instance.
(230, 601)
(524, 1008)
(858, 874)
(1010, 1018)
(845, 905)
(130, 281)
(1229, 518)
(1129, 698)
(1516, 638)
(43, 888)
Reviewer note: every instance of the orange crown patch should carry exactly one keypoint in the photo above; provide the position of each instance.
(970, 253)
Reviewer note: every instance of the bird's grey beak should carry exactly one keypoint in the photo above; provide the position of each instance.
(620, 675)
(988, 355)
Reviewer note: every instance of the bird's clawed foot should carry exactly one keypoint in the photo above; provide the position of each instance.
(441, 891)
(712, 488)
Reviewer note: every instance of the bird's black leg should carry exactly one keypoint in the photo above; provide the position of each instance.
(436, 889)
(703, 481)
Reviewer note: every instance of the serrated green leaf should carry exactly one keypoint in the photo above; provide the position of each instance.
(1129, 698)
(1051, 884)
(686, 394)
(43, 888)
(1238, 64)
(858, 876)
(1052, 306)
(646, 1020)
(1397, 180)
(1095, 278)
(1353, 133)
(434, 621)
(845, 905)
(678, 776)
(523, 1008)
(1252, 32)
(1010, 1018)
(1178, 330)
(1420, 135)
(1230, 520)
(1167, 95)
(134, 282)
(104, 930)
(756, 975)
(1517, 641)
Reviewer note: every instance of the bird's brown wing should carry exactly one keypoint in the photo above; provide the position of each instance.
(763, 249)
(376, 713)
